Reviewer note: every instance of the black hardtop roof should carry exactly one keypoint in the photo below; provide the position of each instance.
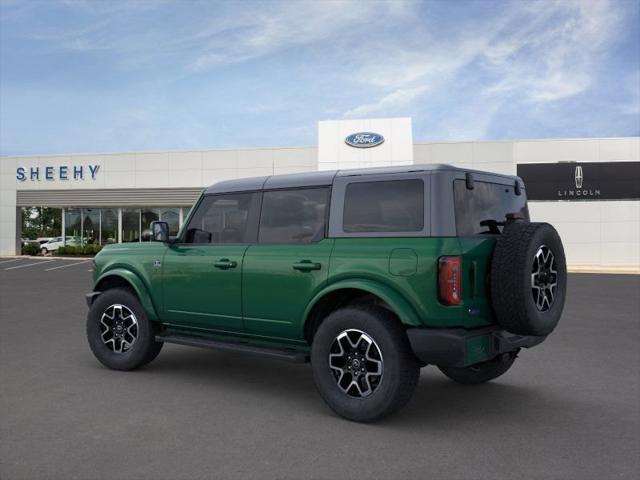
(326, 177)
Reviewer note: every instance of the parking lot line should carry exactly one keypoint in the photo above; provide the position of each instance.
(30, 264)
(9, 261)
(65, 266)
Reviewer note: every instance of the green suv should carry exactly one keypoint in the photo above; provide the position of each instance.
(368, 274)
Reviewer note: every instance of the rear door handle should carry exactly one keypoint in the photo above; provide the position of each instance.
(225, 263)
(306, 265)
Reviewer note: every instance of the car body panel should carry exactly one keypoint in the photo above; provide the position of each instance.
(476, 265)
(137, 263)
(197, 293)
(372, 259)
(277, 286)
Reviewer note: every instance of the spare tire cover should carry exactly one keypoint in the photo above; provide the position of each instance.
(528, 278)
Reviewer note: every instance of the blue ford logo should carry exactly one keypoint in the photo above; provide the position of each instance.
(364, 139)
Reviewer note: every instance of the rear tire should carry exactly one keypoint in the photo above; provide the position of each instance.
(362, 363)
(528, 278)
(119, 333)
(480, 373)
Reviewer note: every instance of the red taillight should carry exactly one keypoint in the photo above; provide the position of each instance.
(449, 280)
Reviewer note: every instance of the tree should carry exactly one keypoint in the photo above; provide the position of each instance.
(41, 222)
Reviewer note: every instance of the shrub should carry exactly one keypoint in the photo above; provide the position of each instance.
(91, 249)
(31, 249)
(84, 250)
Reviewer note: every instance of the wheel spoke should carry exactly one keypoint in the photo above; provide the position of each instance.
(361, 391)
(118, 328)
(356, 363)
(544, 278)
(540, 298)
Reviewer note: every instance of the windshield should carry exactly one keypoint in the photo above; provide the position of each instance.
(483, 209)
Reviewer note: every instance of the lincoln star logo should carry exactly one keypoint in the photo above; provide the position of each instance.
(364, 140)
(579, 177)
(580, 191)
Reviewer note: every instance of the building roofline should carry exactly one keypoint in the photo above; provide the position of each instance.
(295, 147)
(517, 140)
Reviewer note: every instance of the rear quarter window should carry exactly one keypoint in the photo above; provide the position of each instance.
(486, 202)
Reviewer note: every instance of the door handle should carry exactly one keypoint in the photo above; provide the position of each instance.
(306, 266)
(225, 263)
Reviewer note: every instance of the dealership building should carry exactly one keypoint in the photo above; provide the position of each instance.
(588, 188)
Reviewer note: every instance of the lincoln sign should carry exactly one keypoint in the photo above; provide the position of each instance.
(581, 180)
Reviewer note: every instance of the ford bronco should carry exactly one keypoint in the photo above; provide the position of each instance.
(368, 274)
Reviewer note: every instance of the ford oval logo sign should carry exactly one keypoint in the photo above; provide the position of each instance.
(364, 139)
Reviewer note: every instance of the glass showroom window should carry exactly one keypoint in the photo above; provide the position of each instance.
(130, 225)
(172, 217)
(109, 226)
(90, 226)
(148, 215)
(72, 226)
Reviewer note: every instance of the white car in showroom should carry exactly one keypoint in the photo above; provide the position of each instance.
(52, 245)
(57, 242)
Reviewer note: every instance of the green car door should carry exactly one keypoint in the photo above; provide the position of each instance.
(202, 271)
(288, 265)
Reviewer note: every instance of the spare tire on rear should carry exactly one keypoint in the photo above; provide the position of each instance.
(528, 278)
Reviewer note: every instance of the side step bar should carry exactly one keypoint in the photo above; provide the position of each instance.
(288, 355)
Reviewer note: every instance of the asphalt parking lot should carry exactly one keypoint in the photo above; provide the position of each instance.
(568, 409)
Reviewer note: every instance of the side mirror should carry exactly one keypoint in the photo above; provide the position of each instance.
(160, 232)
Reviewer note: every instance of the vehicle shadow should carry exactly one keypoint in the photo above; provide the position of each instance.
(440, 402)
(436, 402)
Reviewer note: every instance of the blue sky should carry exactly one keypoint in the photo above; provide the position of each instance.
(92, 76)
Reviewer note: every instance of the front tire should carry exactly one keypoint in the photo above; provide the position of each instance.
(44, 251)
(482, 372)
(119, 333)
(362, 363)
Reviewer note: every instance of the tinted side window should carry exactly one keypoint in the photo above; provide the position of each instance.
(229, 218)
(384, 206)
(293, 216)
(486, 202)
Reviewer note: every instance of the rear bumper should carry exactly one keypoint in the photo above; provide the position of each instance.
(459, 347)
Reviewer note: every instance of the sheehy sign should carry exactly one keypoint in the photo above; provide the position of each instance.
(581, 180)
(60, 172)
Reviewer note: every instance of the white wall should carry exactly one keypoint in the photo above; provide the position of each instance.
(197, 168)
(334, 153)
(8, 211)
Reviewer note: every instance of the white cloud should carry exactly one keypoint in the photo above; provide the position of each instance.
(398, 98)
(455, 73)
(534, 51)
(552, 56)
(279, 26)
(631, 105)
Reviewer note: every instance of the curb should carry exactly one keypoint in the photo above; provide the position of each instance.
(609, 270)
